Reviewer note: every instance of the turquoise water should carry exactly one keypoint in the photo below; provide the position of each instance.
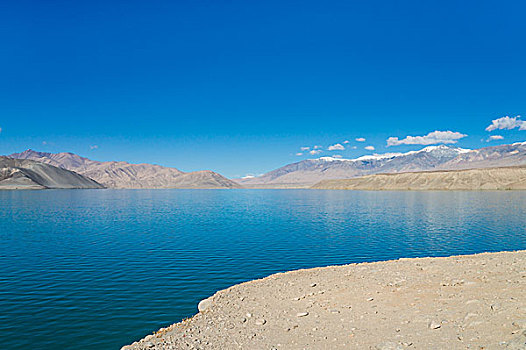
(98, 269)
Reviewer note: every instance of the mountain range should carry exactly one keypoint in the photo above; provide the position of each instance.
(115, 174)
(29, 174)
(309, 172)
(306, 173)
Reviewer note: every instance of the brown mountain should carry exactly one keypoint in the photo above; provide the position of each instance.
(125, 175)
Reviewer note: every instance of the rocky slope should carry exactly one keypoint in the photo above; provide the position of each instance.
(459, 302)
(308, 172)
(506, 178)
(489, 157)
(126, 175)
(28, 174)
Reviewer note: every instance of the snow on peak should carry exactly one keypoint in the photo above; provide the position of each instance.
(444, 148)
(441, 149)
(331, 159)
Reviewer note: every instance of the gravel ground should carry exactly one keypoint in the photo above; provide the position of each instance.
(459, 302)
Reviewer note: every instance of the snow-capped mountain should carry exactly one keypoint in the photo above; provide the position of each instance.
(310, 171)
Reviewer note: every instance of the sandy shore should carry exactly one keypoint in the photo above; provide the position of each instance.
(459, 302)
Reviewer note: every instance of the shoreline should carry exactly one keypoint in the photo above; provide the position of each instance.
(457, 302)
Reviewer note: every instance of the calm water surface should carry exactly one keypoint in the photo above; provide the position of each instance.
(98, 269)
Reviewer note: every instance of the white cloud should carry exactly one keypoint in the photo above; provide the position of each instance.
(317, 147)
(495, 137)
(305, 148)
(299, 154)
(0, 130)
(369, 148)
(346, 141)
(248, 176)
(360, 139)
(429, 139)
(336, 147)
(354, 147)
(93, 147)
(315, 151)
(507, 123)
(336, 156)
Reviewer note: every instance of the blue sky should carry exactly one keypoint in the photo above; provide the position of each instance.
(240, 86)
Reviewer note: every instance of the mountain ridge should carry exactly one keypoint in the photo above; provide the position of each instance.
(121, 174)
(310, 171)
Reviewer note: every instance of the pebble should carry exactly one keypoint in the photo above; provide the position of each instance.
(261, 322)
(204, 304)
(302, 314)
(434, 325)
(495, 307)
(370, 299)
(313, 285)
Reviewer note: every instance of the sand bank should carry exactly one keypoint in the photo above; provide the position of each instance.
(459, 302)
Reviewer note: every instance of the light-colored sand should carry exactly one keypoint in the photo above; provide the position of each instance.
(460, 302)
(510, 178)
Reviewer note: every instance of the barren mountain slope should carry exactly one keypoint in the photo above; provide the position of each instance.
(28, 174)
(509, 178)
(125, 175)
(496, 156)
(310, 171)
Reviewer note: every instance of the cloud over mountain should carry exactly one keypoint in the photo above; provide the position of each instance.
(495, 137)
(507, 123)
(432, 138)
(336, 147)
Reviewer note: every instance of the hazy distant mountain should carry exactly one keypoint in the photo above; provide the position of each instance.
(496, 156)
(505, 178)
(126, 175)
(29, 174)
(311, 171)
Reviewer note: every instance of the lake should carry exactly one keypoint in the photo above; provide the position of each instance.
(98, 269)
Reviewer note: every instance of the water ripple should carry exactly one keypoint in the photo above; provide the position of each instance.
(99, 269)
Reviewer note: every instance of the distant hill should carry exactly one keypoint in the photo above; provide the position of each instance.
(125, 175)
(29, 174)
(308, 172)
(506, 178)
